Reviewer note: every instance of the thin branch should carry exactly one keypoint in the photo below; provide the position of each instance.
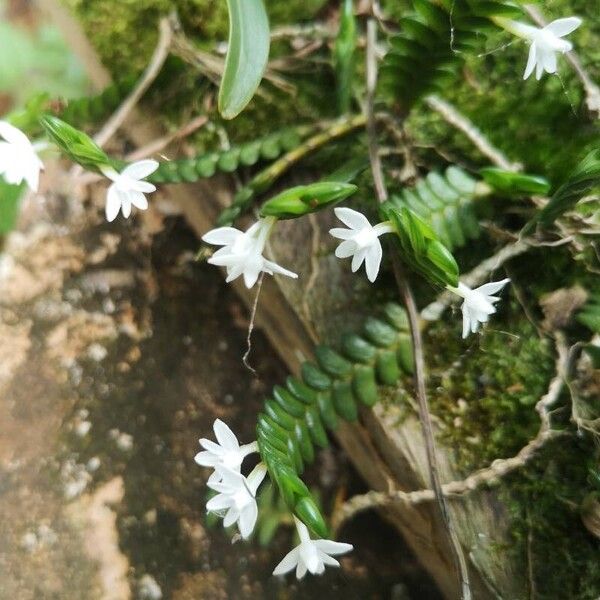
(413, 319)
(450, 114)
(592, 91)
(156, 146)
(159, 56)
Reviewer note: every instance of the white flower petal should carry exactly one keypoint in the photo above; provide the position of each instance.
(346, 248)
(358, 259)
(140, 169)
(231, 517)
(549, 59)
(221, 236)
(373, 261)
(466, 321)
(492, 287)
(247, 519)
(256, 477)
(274, 268)
(333, 548)
(113, 203)
(138, 200)
(13, 135)
(328, 560)
(144, 187)
(219, 502)
(351, 218)
(300, 570)
(290, 560)
(251, 276)
(530, 62)
(125, 204)
(341, 233)
(206, 459)
(562, 27)
(225, 436)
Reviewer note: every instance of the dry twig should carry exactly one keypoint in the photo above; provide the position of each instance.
(159, 56)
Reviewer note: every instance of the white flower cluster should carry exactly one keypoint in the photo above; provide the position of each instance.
(235, 501)
(545, 42)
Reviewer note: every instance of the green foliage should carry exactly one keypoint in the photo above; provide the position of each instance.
(296, 417)
(10, 195)
(433, 40)
(581, 181)
(78, 146)
(589, 315)
(36, 61)
(344, 55)
(305, 199)
(446, 203)
(78, 112)
(420, 247)
(247, 55)
(513, 183)
(91, 109)
(228, 161)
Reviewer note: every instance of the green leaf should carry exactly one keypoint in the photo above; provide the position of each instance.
(344, 53)
(420, 247)
(304, 199)
(78, 146)
(447, 202)
(247, 55)
(585, 177)
(10, 196)
(509, 182)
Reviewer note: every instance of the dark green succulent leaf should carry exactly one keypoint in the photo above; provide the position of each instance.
(420, 246)
(247, 55)
(304, 199)
(295, 417)
(511, 183)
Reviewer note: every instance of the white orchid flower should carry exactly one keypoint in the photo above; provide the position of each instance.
(18, 158)
(478, 304)
(242, 252)
(128, 188)
(226, 453)
(545, 42)
(236, 498)
(311, 555)
(361, 240)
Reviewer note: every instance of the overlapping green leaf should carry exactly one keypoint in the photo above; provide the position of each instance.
(297, 416)
(432, 43)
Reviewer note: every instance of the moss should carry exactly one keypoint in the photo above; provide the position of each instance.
(486, 396)
(485, 399)
(124, 32)
(544, 502)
